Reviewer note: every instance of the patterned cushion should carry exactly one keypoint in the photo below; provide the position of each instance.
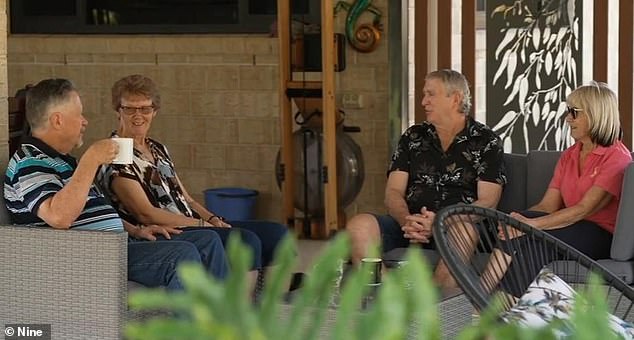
(549, 298)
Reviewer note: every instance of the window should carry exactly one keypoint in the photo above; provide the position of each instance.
(153, 16)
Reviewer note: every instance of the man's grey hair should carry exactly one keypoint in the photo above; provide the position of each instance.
(454, 81)
(46, 94)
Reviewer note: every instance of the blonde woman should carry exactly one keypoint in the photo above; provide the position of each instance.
(581, 203)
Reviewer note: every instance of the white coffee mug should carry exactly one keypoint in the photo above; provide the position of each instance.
(126, 153)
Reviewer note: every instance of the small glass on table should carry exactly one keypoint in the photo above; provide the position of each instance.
(373, 265)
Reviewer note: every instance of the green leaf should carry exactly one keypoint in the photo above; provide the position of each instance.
(317, 290)
(275, 286)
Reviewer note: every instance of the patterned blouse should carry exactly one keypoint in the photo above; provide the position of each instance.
(157, 179)
(437, 178)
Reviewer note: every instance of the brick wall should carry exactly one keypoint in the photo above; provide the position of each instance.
(220, 111)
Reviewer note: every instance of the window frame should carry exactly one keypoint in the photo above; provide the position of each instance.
(78, 23)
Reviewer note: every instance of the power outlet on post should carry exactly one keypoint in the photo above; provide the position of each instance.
(352, 100)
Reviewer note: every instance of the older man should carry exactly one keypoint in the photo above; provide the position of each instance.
(46, 186)
(448, 159)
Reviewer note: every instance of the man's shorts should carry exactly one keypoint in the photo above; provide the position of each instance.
(392, 235)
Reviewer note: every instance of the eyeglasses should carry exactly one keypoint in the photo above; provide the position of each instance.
(130, 110)
(573, 112)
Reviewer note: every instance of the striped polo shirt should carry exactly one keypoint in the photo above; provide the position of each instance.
(36, 172)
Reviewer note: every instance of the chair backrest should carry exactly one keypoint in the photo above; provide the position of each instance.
(528, 177)
(465, 234)
(5, 217)
(623, 240)
(514, 194)
(18, 125)
(540, 166)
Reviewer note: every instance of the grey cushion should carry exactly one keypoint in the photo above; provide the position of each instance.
(514, 194)
(622, 269)
(623, 241)
(539, 172)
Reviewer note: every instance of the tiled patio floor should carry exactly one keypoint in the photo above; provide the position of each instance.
(308, 252)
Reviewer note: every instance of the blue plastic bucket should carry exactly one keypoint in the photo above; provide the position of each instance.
(234, 204)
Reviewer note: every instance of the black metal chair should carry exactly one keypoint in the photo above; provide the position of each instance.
(484, 265)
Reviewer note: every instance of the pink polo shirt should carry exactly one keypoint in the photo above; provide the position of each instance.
(604, 167)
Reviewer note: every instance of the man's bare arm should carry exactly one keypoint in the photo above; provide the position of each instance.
(489, 194)
(395, 195)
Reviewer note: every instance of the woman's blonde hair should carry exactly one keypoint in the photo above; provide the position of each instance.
(601, 106)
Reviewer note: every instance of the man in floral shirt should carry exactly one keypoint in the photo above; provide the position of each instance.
(446, 160)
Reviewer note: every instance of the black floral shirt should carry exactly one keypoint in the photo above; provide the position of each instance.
(437, 178)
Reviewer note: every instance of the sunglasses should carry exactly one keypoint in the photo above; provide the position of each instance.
(573, 111)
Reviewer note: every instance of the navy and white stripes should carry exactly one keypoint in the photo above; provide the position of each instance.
(35, 173)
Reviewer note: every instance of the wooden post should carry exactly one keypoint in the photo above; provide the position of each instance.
(600, 70)
(444, 34)
(626, 58)
(469, 47)
(286, 122)
(420, 57)
(328, 86)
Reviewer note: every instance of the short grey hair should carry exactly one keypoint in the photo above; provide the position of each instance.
(601, 106)
(454, 81)
(46, 94)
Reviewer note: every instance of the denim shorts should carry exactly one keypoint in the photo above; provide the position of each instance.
(392, 235)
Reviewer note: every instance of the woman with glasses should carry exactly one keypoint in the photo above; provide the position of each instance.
(149, 191)
(581, 202)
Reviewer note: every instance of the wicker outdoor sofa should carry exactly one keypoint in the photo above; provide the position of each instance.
(74, 281)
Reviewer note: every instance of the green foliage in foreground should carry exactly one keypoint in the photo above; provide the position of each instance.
(210, 309)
